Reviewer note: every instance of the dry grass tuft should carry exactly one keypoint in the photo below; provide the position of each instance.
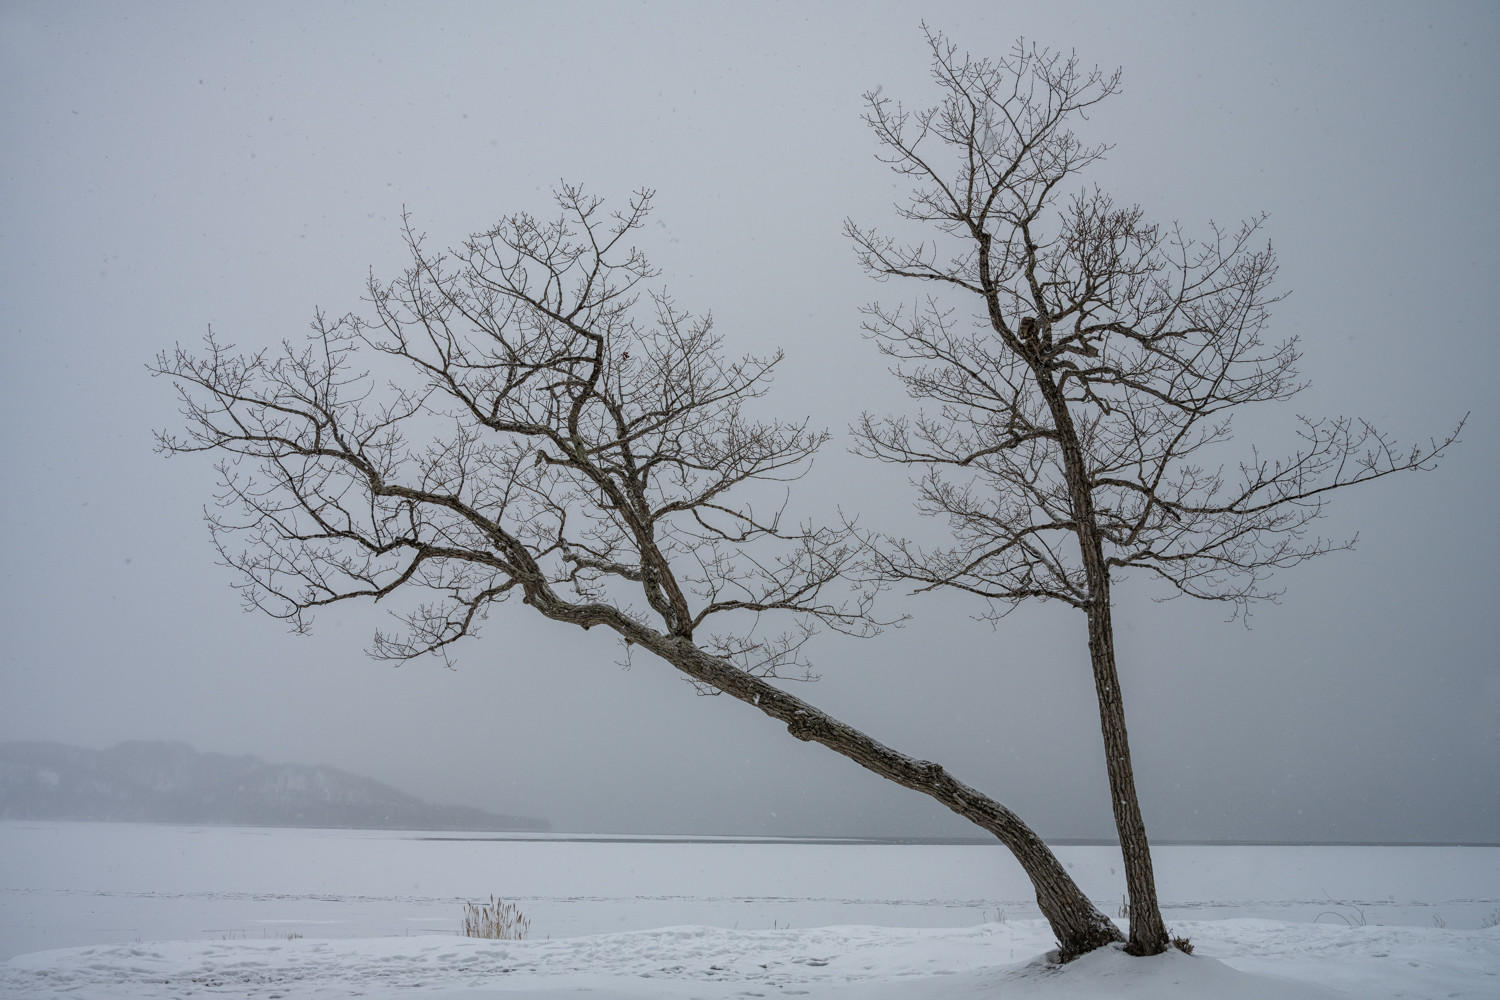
(496, 919)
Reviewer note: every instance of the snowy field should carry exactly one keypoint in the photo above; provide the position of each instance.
(135, 911)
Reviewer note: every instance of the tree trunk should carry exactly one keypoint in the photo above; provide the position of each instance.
(1148, 934)
(1078, 924)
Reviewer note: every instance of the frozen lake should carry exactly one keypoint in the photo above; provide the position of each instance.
(70, 884)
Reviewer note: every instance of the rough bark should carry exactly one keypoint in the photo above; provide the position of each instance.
(1148, 932)
(1078, 924)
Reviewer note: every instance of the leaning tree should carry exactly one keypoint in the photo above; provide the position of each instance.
(529, 417)
(1082, 366)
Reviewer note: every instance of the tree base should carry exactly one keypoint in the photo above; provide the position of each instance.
(1082, 944)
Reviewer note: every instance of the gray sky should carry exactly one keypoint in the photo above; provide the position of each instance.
(170, 166)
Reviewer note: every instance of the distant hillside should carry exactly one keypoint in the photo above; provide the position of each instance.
(172, 783)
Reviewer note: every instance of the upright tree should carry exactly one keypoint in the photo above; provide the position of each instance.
(528, 416)
(1082, 366)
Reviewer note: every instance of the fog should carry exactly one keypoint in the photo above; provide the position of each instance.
(168, 167)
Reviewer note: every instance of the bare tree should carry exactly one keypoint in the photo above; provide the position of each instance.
(529, 416)
(1083, 365)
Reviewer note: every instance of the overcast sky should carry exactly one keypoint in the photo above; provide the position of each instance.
(169, 166)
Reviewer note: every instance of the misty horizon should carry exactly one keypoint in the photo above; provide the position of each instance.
(520, 828)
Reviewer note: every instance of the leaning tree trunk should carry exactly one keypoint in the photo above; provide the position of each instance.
(1078, 924)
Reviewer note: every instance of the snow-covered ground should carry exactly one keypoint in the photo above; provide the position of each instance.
(155, 911)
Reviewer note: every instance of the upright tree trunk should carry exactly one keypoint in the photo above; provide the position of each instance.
(1148, 934)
